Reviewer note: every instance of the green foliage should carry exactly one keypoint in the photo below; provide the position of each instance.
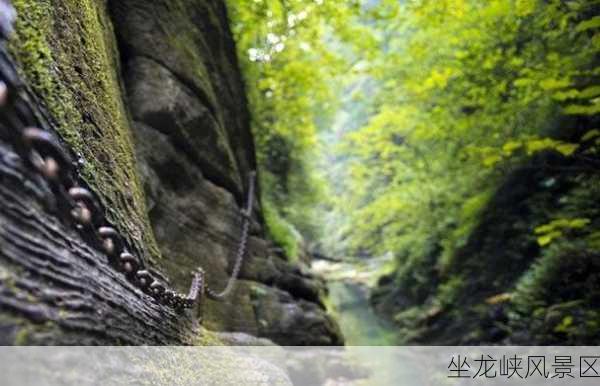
(280, 231)
(468, 90)
(529, 145)
(556, 228)
(425, 113)
(554, 300)
(290, 72)
(468, 219)
(448, 290)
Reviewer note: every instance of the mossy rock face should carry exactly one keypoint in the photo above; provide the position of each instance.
(149, 96)
(68, 55)
(182, 52)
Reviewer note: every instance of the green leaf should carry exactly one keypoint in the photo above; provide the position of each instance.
(491, 160)
(589, 92)
(548, 238)
(583, 109)
(578, 223)
(523, 82)
(547, 228)
(590, 134)
(564, 324)
(588, 24)
(564, 95)
(509, 147)
(567, 149)
(553, 84)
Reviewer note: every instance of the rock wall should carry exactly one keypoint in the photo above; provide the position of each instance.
(150, 97)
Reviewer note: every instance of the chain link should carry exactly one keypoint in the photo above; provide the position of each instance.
(241, 252)
(44, 153)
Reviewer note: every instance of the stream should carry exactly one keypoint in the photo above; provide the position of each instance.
(349, 284)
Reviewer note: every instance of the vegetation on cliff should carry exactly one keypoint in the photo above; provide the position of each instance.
(68, 55)
(290, 72)
(147, 97)
(461, 136)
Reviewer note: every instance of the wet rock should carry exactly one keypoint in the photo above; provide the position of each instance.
(179, 57)
(161, 101)
(293, 322)
(194, 150)
(192, 212)
(241, 339)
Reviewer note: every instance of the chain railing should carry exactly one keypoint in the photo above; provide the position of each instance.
(42, 151)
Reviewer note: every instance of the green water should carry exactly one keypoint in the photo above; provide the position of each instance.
(348, 300)
(360, 325)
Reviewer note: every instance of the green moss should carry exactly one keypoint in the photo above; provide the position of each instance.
(448, 291)
(6, 278)
(190, 367)
(67, 52)
(409, 323)
(22, 336)
(26, 332)
(184, 37)
(207, 338)
(280, 231)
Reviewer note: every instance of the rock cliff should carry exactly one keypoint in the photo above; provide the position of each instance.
(149, 97)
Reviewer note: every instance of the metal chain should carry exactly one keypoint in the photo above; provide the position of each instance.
(241, 252)
(42, 150)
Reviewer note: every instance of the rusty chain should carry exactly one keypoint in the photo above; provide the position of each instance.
(241, 252)
(42, 150)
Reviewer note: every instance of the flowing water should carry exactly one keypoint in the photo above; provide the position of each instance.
(349, 284)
